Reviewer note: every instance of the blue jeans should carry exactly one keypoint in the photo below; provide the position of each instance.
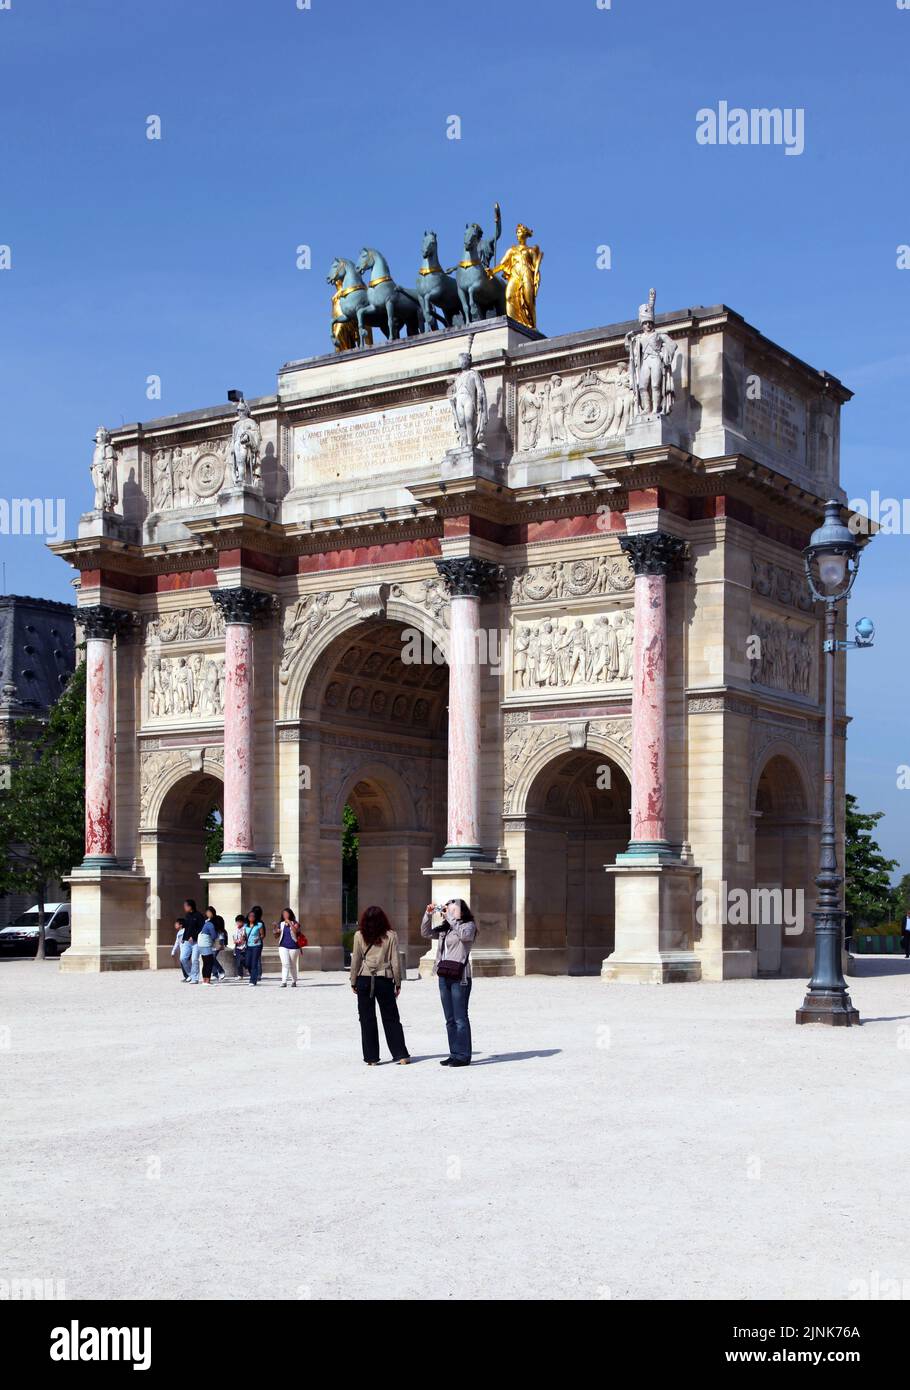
(194, 963)
(254, 963)
(455, 995)
(186, 956)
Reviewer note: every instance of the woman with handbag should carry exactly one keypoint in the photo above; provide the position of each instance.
(454, 938)
(291, 940)
(376, 979)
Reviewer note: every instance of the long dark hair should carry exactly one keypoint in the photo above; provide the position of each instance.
(374, 925)
(290, 912)
(466, 913)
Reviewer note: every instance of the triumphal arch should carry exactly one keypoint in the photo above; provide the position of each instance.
(533, 607)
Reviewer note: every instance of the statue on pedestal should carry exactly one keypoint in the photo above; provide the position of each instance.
(246, 444)
(104, 472)
(521, 268)
(652, 357)
(468, 397)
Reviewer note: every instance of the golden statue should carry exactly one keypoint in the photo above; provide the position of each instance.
(521, 267)
(344, 331)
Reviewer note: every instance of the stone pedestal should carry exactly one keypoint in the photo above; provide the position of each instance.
(654, 432)
(655, 923)
(234, 889)
(470, 463)
(111, 921)
(488, 889)
(245, 501)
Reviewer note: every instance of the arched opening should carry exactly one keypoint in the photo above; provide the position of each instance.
(576, 821)
(186, 836)
(375, 716)
(785, 859)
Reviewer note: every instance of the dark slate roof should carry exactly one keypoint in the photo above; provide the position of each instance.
(37, 649)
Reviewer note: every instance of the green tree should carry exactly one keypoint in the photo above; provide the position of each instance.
(42, 813)
(868, 895)
(214, 837)
(902, 898)
(350, 845)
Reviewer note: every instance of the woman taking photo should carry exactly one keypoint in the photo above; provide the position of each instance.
(376, 979)
(290, 940)
(255, 940)
(454, 938)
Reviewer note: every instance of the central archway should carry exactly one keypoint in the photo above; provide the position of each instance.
(374, 723)
(576, 821)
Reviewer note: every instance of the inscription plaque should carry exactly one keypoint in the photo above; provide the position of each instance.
(408, 436)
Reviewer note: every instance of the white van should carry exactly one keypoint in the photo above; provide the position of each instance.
(22, 935)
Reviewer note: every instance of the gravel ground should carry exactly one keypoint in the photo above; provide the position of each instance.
(161, 1141)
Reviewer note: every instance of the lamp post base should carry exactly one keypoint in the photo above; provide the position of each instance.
(836, 1010)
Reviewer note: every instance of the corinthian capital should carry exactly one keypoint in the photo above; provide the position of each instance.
(99, 620)
(469, 577)
(241, 605)
(653, 552)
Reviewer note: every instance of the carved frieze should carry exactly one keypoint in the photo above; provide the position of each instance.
(601, 574)
(186, 475)
(563, 653)
(781, 584)
(181, 686)
(782, 656)
(564, 412)
(301, 620)
(185, 625)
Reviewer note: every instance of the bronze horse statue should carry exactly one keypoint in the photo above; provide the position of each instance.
(482, 295)
(400, 308)
(436, 289)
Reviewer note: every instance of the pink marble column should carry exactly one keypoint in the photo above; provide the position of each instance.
(467, 580)
(652, 554)
(99, 623)
(238, 740)
(240, 607)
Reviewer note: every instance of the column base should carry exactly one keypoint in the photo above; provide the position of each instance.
(488, 889)
(649, 850)
(655, 922)
(93, 862)
(238, 858)
(664, 968)
(835, 1010)
(110, 920)
(233, 888)
(462, 854)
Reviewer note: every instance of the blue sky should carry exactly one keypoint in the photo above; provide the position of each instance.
(327, 127)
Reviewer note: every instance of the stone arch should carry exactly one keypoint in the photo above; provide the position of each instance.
(400, 810)
(308, 673)
(785, 854)
(780, 749)
(565, 827)
(173, 767)
(545, 743)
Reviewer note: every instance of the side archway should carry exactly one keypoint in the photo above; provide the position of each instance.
(785, 859)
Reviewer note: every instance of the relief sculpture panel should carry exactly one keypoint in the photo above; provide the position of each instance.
(563, 653)
(566, 411)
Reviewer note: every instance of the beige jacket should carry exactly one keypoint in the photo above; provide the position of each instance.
(380, 959)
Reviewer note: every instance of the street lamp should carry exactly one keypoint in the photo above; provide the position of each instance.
(832, 563)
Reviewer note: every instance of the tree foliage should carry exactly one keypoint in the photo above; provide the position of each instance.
(868, 895)
(42, 812)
